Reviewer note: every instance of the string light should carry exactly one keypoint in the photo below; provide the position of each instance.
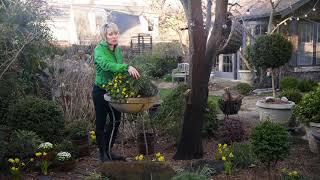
(313, 9)
(298, 18)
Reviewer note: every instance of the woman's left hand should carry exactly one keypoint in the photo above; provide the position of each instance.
(133, 72)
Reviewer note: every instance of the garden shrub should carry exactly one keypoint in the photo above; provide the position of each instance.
(306, 85)
(288, 82)
(270, 142)
(24, 143)
(41, 116)
(154, 65)
(200, 174)
(231, 130)
(210, 123)
(244, 88)
(170, 114)
(292, 95)
(167, 77)
(308, 108)
(243, 154)
(4, 152)
(168, 50)
(77, 129)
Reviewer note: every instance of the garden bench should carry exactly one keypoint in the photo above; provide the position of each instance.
(182, 71)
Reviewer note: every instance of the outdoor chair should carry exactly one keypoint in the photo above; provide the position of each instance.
(182, 71)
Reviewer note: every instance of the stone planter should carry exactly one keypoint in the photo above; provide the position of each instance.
(246, 76)
(280, 113)
(313, 134)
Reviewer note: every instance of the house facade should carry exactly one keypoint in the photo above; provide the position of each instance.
(302, 28)
(79, 21)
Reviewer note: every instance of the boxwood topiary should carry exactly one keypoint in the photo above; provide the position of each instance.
(244, 88)
(270, 143)
(41, 116)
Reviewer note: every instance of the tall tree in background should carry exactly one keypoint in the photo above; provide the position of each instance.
(202, 58)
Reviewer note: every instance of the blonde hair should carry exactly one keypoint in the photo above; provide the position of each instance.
(104, 29)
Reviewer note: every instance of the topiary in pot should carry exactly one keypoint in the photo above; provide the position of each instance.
(270, 142)
(40, 116)
(244, 88)
(271, 51)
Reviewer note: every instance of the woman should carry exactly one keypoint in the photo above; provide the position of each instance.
(108, 62)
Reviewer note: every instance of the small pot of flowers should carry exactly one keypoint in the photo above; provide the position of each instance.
(64, 161)
(129, 95)
(48, 148)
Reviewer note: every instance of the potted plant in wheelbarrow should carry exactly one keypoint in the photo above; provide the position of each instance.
(271, 52)
(307, 112)
(129, 95)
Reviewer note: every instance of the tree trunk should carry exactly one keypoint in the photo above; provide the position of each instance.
(273, 84)
(190, 145)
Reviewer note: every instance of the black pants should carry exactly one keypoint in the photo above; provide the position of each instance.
(103, 130)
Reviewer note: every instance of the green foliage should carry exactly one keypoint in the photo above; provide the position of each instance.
(154, 65)
(200, 174)
(41, 116)
(210, 124)
(170, 50)
(243, 155)
(270, 142)
(306, 85)
(77, 129)
(168, 118)
(67, 146)
(270, 51)
(24, 143)
(308, 108)
(25, 41)
(167, 77)
(124, 86)
(288, 82)
(244, 88)
(292, 95)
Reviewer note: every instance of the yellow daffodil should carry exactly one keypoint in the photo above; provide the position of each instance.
(23, 164)
(31, 159)
(161, 158)
(16, 160)
(141, 157)
(126, 96)
(38, 154)
(13, 168)
(225, 146)
(290, 174)
(224, 158)
(44, 153)
(294, 173)
(92, 132)
(110, 83)
(136, 158)
(93, 137)
(158, 154)
(103, 86)
(11, 160)
(219, 145)
(231, 155)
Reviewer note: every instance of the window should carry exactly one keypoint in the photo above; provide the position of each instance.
(305, 51)
(227, 63)
(318, 45)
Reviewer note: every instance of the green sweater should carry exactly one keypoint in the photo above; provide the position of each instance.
(107, 63)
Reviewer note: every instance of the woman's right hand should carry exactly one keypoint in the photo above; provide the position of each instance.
(133, 72)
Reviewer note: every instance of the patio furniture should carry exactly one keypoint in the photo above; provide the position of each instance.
(182, 71)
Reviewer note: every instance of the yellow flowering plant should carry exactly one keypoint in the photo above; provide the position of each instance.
(43, 161)
(225, 153)
(291, 175)
(124, 86)
(139, 157)
(158, 157)
(16, 165)
(93, 137)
